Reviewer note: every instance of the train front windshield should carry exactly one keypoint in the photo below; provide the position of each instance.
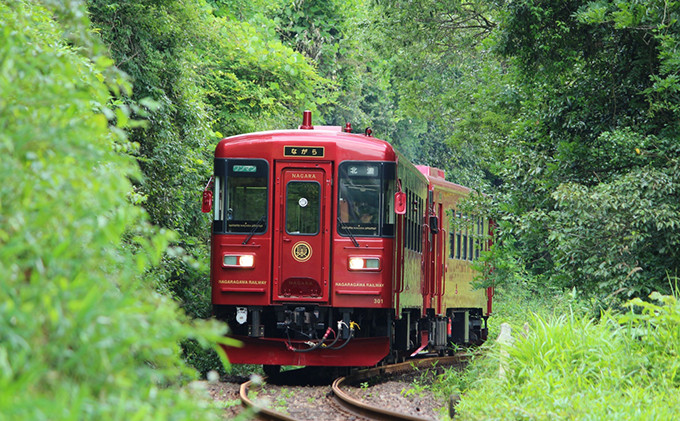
(364, 205)
(244, 195)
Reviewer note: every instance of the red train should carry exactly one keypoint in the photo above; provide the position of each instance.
(331, 249)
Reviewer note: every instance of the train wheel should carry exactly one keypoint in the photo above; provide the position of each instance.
(271, 370)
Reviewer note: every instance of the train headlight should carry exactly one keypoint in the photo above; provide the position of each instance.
(246, 261)
(364, 263)
(238, 261)
(356, 263)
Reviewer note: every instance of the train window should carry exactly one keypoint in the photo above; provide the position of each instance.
(245, 201)
(471, 239)
(478, 248)
(421, 216)
(365, 198)
(408, 217)
(458, 235)
(452, 234)
(464, 231)
(412, 221)
(303, 207)
(389, 188)
(452, 244)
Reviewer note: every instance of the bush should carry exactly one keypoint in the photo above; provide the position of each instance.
(82, 333)
(621, 368)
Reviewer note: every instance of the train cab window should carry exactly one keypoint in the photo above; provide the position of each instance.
(389, 189)
(245, 195)
(303, 207)
(362, 205)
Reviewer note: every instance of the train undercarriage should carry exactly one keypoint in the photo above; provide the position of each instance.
(360, 337)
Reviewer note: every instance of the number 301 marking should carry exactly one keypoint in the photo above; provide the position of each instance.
(378, 301)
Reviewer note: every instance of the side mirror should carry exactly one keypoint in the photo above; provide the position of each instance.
(206, 206)
(434, 224)
(400, 203)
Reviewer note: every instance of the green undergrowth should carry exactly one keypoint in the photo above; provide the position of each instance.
(569, 366)
(515, 305)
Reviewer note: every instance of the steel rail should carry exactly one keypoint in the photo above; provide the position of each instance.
(383, 414)
(260, 413)
(349, 404)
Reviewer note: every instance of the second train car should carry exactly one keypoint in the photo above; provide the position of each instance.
(330, 248)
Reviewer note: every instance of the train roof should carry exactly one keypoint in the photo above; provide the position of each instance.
(437, 177)
(338, 144)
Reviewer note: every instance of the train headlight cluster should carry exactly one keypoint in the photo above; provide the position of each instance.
(239, 261)
(364, 263)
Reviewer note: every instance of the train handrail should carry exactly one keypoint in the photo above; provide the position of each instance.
(424, 260)
(399, 287)
(442, 277)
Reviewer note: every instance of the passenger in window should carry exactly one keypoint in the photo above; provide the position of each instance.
(367, 213)
(366, 218)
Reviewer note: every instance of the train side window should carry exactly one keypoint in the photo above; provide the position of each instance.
(409, 206)
(465, 237)
(459, 233)
(421, 216)
(471, 239)
(452, 233)
(452, 244)
(417, 228)
(409, 220)
(478, 248)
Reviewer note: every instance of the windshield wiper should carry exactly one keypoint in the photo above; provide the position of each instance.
(255, 227)
(347, 230)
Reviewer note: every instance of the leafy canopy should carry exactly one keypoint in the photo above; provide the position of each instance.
(82, 332)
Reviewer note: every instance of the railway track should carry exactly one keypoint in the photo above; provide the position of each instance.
(343, 404)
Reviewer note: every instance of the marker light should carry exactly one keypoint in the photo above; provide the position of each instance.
(364, 263)
(244, 261)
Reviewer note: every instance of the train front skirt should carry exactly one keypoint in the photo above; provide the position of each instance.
(359, 352)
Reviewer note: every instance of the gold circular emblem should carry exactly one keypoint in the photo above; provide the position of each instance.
(302, 251)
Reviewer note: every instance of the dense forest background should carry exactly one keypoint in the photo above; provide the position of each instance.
(565, 114)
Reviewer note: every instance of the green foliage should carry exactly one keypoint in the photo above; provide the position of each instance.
(254, 82)
(588, 170)
(623, 367)
(337, 36)
(455, 99)
(619, 237)
(211, 69)
(83, 335)
(157, 44)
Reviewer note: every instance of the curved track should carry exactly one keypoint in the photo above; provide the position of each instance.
(347, 403)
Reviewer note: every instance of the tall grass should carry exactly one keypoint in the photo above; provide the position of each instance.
(569, 367)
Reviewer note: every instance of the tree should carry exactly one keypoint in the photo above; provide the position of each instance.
(444, 73)
(591, 178)
(83, 334)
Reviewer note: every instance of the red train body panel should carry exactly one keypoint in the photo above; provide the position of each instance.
(324, 251)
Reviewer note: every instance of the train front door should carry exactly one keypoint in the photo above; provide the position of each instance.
(302, 233)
